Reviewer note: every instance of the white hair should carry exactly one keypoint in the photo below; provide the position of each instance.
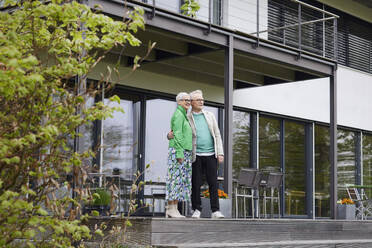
(196, 92)
(181, 95)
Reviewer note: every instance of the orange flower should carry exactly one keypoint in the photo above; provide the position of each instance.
(347, 201)
(221, 194)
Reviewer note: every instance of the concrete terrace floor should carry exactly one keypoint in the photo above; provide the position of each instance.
(205, 232)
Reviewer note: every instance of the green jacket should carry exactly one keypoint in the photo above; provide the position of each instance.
(182, 132)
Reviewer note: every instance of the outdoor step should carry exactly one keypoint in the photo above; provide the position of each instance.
(284, 244)
(161, 232)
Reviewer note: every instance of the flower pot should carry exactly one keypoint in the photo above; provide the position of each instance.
(225, 207)
(346, 211)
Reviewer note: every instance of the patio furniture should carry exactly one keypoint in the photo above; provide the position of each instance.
(362, 203)
(271, 181)
(248, 183)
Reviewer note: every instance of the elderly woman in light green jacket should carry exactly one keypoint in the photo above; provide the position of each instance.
(178, 185)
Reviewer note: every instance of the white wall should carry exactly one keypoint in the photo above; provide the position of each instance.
(310, 99)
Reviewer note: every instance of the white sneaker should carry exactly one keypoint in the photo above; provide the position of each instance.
(217, 215)
(196, 214)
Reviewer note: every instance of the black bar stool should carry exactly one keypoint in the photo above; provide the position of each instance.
(248, 181)
(271, 181)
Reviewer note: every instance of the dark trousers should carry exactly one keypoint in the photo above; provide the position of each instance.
(204, 165)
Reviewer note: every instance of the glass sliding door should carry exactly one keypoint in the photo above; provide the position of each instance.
(269, 150)
(346, 166)
(367, 162)
(120, 149)
(241, 154)
(158, 115)
(241, 142)
(269, 144)
(295, 168)
(322, 171)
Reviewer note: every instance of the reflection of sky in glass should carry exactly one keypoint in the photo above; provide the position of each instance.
(118, 139)
(158, 115)
(322, 171)
(295, 168)
(269, 143)
(345, 160)
(241, 141)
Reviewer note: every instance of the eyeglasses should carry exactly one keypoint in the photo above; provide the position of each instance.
(186, 100)
(198, 100)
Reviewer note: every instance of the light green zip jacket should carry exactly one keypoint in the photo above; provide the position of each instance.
(182, 132)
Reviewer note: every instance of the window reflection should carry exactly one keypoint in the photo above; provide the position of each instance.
(241, 155)
(345, 161)
(120, 139)
(295, 169)
(158, 115)
(322, 171)
(269, 144)
(367, 162)
(241, 141)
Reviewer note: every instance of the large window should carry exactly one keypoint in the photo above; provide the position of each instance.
(241, 153)
(241, 141)
(269, 144)
(158, 115)
(120, 139)
(367, 162)
(322, 171)
(345, 161)
(295, 168)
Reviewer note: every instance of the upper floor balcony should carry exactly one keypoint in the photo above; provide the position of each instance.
(292, 23)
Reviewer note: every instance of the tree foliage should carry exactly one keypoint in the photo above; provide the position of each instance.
(43, 46)
(190, 8)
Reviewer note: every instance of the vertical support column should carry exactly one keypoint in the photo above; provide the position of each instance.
(258, 23)
(309, 154)
(254, 140)
(254, 136)
(282, 165)
(323, 34)
(299, 28)
(358, 158)
(333, 142)
(141, 153)
(229, 80)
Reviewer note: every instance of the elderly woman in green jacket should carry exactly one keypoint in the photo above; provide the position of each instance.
(178, 183)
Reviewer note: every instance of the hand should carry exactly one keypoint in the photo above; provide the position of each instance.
(220, 158)
(180, 160)
(170, 135)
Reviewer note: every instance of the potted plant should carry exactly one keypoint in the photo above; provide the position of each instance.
(346, 209)
(100, 202)
(224, 200)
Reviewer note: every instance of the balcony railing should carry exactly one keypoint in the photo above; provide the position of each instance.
(291, 23)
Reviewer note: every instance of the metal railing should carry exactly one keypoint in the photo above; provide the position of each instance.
(291, 23)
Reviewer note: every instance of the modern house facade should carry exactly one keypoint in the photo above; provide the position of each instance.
(288, 81)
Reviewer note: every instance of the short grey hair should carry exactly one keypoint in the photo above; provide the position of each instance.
(181, 95)
(196, 92)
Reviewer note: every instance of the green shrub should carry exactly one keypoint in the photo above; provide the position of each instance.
(101, 198)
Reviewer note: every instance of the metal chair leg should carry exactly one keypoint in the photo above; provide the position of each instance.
(252, 193)
(245, 216)
(278, 204)
(236, 203)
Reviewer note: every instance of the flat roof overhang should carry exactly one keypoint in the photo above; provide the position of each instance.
(195, 50)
